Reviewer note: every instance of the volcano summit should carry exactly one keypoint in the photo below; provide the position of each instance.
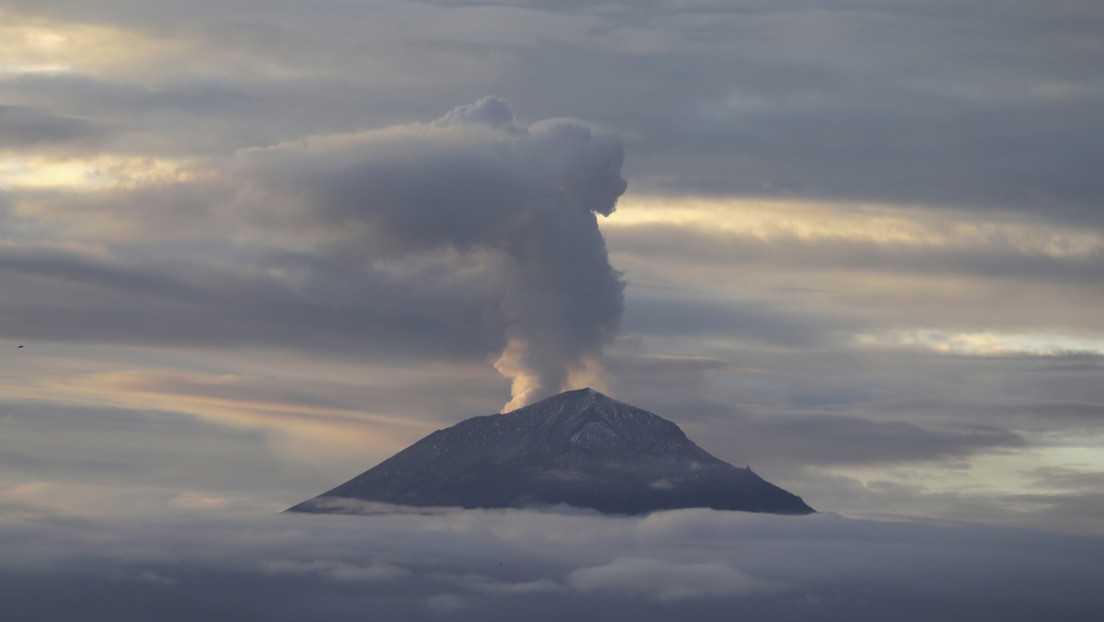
(578, 448)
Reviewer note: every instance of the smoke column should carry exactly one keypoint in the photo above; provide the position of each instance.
(506, 210)
(563, 299)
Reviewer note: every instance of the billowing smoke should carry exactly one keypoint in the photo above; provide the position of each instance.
(501, 214)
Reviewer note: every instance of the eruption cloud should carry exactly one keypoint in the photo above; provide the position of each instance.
(495, 219)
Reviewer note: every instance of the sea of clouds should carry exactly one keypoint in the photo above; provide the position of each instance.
(509, 564)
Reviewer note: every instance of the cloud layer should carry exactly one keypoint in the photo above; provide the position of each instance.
(502, 565)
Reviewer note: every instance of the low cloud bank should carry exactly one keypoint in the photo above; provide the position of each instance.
(486, 565)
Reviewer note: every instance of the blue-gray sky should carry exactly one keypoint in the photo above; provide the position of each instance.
(250, 248)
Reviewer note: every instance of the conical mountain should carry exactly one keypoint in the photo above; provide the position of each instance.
(578, 448)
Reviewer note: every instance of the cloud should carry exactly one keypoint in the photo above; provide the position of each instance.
(505, 564)
(488, 585)
(490, 111)
(446, 603)
(337, 570)
(971, 109)
(803, 275)
(469, 235)
(838, 439)
(665, 581)
(474, 182)
(525, 201)
(701, 315)
(24, 128)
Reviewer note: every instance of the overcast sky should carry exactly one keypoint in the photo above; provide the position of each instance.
(250, 248)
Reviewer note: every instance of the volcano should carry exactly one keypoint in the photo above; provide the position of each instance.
(579, 448)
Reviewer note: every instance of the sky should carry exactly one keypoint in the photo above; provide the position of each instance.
(251, 248)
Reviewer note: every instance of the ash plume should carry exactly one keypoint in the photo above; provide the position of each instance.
(497, 218)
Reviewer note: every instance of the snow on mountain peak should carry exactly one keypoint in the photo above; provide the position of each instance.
(579, 448)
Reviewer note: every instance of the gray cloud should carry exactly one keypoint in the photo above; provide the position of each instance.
(955, 108)
(836, 439)
(501, 565)
(755, 321)
(76, 298)
(837, 424)
(914, 422)
(474, 181)
(992, 255)
(470, 235)
(666, 581)
(119, 456)
(24, 127)
(1059, 477)
(176, 120)
(810, 292)
(989, 107)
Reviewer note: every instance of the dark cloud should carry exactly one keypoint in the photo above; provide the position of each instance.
(24, 127)
(1028, 417)
(1032, 256)
(177, 120)
(1060, 477)
(953, 108)
(475, 181)
(152, 456)
(505, 565)
(991, 107)
(838, 439)
(967, 153)
(163, 302)
(792, 290)
(755, 321)
(1075, 361)
(1075, 512)
(1070, 385)
(639, 377)
(470, 235)
(886, 496)
(524, 199)
(839, 425)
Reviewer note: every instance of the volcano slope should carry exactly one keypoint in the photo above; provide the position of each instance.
(579, 448)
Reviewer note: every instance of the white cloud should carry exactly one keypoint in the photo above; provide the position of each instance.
(337, 570)
(667, 581)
